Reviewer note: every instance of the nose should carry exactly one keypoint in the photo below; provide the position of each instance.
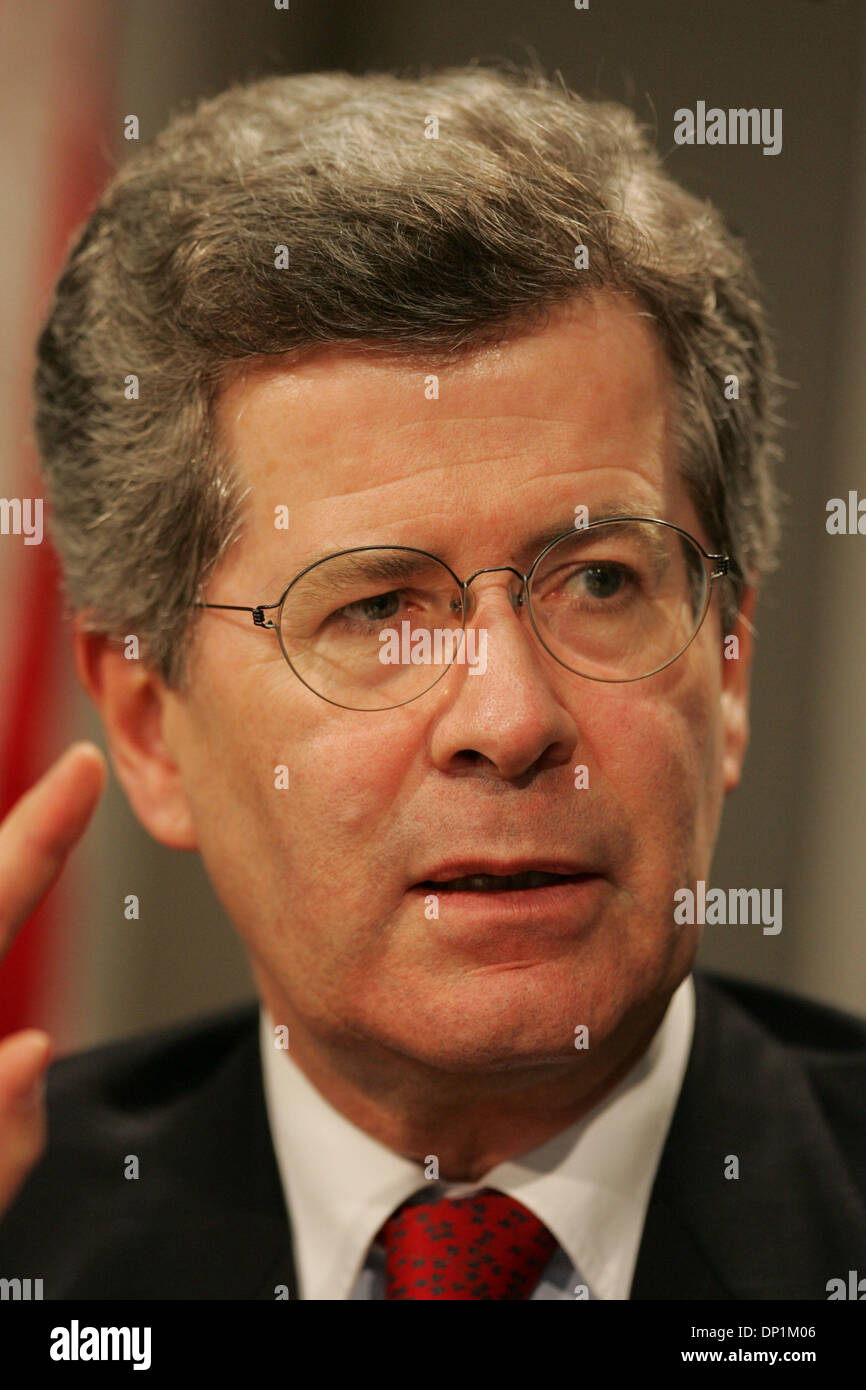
(517, 599)
(507, 718)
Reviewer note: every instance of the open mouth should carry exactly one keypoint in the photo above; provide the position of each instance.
(501, 883)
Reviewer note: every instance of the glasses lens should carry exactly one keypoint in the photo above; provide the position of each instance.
(373, 628)
(618, 600)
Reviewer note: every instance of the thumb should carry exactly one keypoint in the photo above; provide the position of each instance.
(23, 1128)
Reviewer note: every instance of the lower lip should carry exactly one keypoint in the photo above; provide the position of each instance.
(561, 907)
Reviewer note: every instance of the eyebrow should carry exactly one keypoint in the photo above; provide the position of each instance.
(374, 567)
(605, 511)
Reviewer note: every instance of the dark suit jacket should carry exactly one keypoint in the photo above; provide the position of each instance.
(772, 1079)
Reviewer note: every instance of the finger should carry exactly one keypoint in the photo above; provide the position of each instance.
(42, 827)
(23, 1126)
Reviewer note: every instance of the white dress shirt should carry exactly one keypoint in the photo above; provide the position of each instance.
(590, 1184)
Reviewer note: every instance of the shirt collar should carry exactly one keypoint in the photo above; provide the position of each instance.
(590, 1184)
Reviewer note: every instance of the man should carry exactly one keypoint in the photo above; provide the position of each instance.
(390, 418)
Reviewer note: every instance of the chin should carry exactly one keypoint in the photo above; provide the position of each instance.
(498, 1031)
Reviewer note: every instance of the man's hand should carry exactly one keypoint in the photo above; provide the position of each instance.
(35, 838)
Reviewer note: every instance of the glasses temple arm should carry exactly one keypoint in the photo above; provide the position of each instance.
(258, 612)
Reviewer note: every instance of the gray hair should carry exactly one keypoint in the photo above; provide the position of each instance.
(427, 248)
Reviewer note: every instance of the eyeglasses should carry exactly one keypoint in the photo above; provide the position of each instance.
(375, 627)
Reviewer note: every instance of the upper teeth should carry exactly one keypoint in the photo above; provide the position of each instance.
(532, 878)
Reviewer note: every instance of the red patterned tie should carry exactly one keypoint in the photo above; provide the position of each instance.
(484, 1246)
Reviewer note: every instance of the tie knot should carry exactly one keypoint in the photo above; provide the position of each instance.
(487, 1245)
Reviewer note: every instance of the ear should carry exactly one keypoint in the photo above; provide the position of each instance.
(736, 658)
(132, 700)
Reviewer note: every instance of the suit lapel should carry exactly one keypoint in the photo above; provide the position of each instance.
(670, 1262)
(779, 1229)
(232, 1237)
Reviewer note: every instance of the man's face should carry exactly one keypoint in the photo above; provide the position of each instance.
(321, 879)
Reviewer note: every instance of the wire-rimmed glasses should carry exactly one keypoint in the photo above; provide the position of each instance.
(374, 627)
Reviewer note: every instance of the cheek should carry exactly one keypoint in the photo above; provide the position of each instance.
(318, 791)
(347, 776)
(658, 757)
(306, 785)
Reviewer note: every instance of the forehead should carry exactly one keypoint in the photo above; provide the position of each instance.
(353, 444)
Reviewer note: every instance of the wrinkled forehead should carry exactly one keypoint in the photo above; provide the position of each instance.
(360, 447)
(596, 366)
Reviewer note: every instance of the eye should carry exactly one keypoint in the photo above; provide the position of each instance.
(376, 608)
(604, 581)
(600, 583)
